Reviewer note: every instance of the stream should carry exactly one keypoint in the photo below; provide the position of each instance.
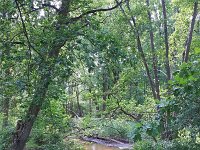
(95, 146)
(104, 144)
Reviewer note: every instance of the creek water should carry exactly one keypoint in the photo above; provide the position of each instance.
(94, 146)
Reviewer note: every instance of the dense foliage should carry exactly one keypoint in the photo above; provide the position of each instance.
(121, 69)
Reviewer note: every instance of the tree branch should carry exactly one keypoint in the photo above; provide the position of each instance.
(25, 31)
(135, 116)
(95, 11)
(44, 6)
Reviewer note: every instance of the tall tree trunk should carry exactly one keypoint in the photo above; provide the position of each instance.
(79, 110)
(116, 71)
(105, 88)
(191, 28)
(155, 69)
(145, 63)
(22, 133)
(167, 66)
(70, 104)
(90, 106)
(46, 68)
(5, 112)
(91, 99)
(140, 49)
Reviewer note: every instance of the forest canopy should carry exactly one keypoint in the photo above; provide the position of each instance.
(123, 70)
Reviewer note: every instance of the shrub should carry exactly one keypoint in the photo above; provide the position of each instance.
(143, 145)
(187, 96)
(41, 140)
(166, 145)
(5, 137)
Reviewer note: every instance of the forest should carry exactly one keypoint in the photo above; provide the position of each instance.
(99, 75)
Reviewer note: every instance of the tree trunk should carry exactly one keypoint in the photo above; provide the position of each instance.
(79, 111)
(90, 102)
(155, 69)
(46, 68)
(22, 133)
(140, 49)
(189, 37)
(105, 88)
(91, 99)
(139, 45)
(146, 65)
(90, 106)
(167, 66)
(5, 112)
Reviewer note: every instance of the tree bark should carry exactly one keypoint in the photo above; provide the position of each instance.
(155, 69)
(191, 28)
(167, 66)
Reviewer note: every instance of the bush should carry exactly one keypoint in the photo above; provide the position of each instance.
(183, 145)
(50, 141)
(45, 141)
(116, 128)
(166, 145)
(187, 96)
(5, 137)
(143, 145)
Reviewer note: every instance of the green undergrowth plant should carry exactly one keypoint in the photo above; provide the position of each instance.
(176, 144)
(50, 141)
(42, 140)
(5, 137)
(96, 127)
(49, 131)
(118, 129)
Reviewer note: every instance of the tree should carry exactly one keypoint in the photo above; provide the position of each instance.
(72, 65)
(166, 40)
(139, 46)
(154, 59)
(46, 66)
(189, 38)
